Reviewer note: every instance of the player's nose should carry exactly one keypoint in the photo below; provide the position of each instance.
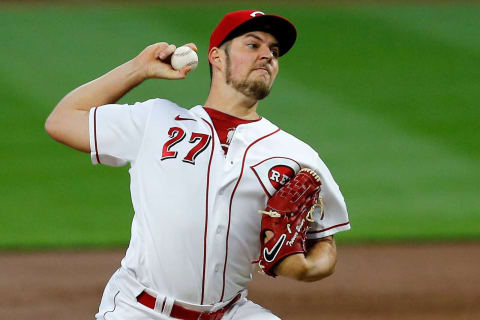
(265, 52)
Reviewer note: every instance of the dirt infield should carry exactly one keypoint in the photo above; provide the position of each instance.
(371, 282)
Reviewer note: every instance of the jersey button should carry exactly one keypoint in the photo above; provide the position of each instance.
(219, 230)
(217, 268)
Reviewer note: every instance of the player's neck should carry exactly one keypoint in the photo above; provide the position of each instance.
(238, 111)
(232, 102)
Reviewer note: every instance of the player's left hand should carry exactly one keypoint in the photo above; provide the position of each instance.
(285, 220)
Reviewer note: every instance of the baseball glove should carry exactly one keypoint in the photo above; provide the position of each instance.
(287, 215)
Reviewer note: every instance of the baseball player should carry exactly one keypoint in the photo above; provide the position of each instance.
(200, 176)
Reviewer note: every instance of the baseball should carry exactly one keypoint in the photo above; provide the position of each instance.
(184, 56)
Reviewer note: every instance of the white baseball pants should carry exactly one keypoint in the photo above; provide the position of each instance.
(118, 304)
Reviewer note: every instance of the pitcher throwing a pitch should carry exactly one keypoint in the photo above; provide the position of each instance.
(217, 189)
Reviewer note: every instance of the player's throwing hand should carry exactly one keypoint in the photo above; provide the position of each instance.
(154, 61)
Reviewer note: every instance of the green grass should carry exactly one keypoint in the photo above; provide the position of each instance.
(388, 95)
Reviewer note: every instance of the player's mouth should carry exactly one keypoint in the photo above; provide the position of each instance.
(262, 70)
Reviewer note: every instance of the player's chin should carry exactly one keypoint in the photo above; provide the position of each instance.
(265, 78)
(260, 89)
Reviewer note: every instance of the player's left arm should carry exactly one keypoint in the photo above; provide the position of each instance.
(317, 263)
(289, 215)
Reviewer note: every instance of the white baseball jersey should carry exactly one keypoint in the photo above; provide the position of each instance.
(196, 226)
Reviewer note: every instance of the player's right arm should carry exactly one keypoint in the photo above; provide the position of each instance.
(68, 122)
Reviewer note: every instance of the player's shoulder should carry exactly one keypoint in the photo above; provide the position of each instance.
(162, 105)
(163, 108)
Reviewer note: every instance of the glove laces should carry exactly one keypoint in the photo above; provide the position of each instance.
(318, 204)
(273, 214)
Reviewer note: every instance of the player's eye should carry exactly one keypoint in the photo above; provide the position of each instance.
(275, 52)
(252, 45)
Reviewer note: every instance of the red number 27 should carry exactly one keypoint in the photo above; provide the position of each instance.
(176, 134)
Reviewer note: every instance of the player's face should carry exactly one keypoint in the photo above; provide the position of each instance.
(252, 63)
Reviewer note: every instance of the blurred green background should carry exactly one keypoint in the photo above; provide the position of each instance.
(387, 94)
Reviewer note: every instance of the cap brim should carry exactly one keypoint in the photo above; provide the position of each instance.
(282, 29)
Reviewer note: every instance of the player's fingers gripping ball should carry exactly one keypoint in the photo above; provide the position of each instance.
(184, 56)
(287, 215)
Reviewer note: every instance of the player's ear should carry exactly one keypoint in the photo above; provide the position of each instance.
(215, 58)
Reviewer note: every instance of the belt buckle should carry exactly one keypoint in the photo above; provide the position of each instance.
(217, 315)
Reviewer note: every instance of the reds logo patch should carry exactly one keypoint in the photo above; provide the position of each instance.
(279, 175)
(273, 173)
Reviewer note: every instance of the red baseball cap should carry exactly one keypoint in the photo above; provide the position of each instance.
(236, 23)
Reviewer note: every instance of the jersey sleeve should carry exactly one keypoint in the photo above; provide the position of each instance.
(334, 218)
(116, 132)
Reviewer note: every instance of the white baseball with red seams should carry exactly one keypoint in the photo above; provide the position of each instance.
(184, 56)
(195, 230)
